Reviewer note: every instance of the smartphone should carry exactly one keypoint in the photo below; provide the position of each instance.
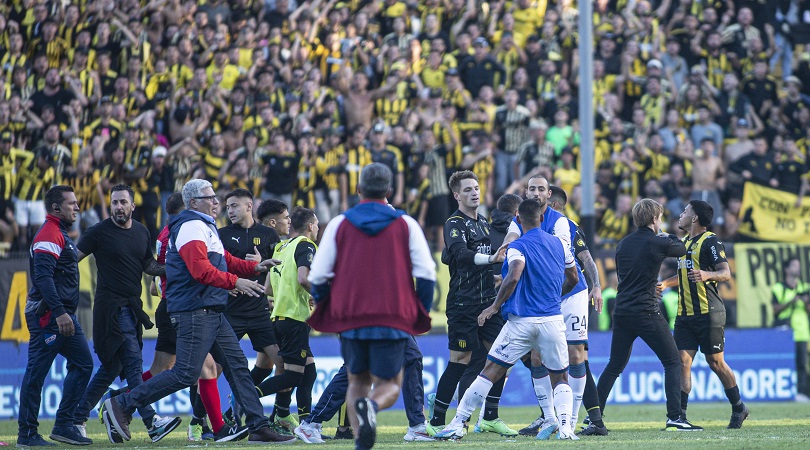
(105, 132)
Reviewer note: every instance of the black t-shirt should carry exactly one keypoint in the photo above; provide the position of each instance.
(304, 253)
(239, 242)
(463, 238)
(282, 173)
(121, 257)
(58, 100)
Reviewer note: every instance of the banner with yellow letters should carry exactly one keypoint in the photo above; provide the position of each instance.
(771, 215)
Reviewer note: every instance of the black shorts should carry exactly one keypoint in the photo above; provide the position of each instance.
(259, 329)
(293, 340)
(463, 332)
(167, 335)
(383, 358)
(706, 331)
(438, 211)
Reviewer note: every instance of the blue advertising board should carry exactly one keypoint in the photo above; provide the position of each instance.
(762, 360)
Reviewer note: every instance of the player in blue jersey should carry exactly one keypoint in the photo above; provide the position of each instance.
(539, 270)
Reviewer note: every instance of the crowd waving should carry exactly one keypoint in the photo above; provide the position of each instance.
(290, 99)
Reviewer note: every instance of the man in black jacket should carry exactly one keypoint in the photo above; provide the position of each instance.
(638, 261)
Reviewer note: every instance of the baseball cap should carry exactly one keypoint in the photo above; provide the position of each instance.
(106, 99)
(379, 127)
(451, 72)
(793, 79)
(743, 123)
(399, 65)
(5, 136)
(655, 63)
(480, 41)
(159, 151)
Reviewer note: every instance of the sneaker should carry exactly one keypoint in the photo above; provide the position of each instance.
(69, 435)
(116, 418)
(112, 433)
(344, 434)
(33, 441)
(594, 430)
(289, 421)
(161, 426)
(737, 418)
(497, 426)
(195, 433)
(207, 433)
(418, 434)
(82, 427)
(281, 429)
(107, 395)
(431, 400)
(681, 424)
(533, 427)
(433, 429)
(547, 429)
(367, 419)
(309, 432)
(567, 435)
(265, 435)
(231, 433)
(450, 432)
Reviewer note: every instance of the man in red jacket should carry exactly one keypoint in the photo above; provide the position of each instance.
(375, 311)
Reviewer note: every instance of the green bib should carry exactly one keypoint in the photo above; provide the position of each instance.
(291, 299)
(799, 321)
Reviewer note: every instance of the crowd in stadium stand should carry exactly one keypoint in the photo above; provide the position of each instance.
(291, 99)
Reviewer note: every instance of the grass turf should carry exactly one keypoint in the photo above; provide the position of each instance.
(771, 425)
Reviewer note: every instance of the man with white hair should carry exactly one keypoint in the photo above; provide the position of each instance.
(199, 275)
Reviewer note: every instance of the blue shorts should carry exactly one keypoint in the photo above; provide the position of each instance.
(382, 357)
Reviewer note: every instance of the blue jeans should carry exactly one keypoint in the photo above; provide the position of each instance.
(128, 361)
(44, 344)
(504, 172)
(198, 333)
(413, 390)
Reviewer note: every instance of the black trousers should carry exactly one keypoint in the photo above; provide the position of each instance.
(801, 368)
(654, 331)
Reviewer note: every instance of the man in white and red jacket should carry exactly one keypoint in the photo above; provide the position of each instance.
(199, 274)
(362, 282)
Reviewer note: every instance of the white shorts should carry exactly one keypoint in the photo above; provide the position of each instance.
(29, 212)
(575, 313)
(520, 337)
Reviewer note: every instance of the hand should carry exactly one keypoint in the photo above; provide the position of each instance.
(265, 265)
(486, 314)
(233, 292)
(499, 255)
(65, 324)
(254, 257)
(249, 287)
(697, 276)
(596, 295)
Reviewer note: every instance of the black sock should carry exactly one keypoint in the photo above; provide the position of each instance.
(278, 383)
(684, 401)
(197, 407)
(492, 400)
(590, 398)
(445, 390)
(258, 374)
(282, 406)
(733, 395)
(303, 393)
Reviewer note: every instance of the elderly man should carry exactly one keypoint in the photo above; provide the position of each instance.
(200, 273)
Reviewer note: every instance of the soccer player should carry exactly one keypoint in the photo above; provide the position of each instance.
(51, 317)
(468, 252)
(375, 310)
(638, 261)
(701, 318)
(274, 214)
(291, 310)
(540, 269)
(118, 313)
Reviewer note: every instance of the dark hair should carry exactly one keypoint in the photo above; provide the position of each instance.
(55, 195)
(530, 212)
(558, 195)
(509, 203)
(123, 187)
(301, 217)
(458, 177)
(239, 193)
(174, 204)
(375, 181)
(270, 208)
(703, 211)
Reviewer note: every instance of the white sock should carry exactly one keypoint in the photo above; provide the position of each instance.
(543, 391)
(578, 388)
(473, 398)
(563, 400)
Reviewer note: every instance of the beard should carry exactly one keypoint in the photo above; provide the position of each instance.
(121, 218)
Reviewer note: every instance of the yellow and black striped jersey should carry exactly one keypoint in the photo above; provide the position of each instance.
(703, 252)
(328, 166)
(85, 188)
(32, 181)
(8, 172)
(356, 159)
(390, 110)
(613, 227)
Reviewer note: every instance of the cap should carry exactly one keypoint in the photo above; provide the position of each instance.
(106, 99)
(533, 38)
(399, 65)
(697, 69)
(537, 125)
(379, 127)
(436, 93)
(132, 125)
(506, 34)
(793, 79)
(742, 123)
(159, 151)
(451, 72)
(333, 131)
(480, 41)
(82, 50)
(655, 63)
(5, 136)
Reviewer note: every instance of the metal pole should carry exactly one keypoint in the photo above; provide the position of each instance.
(586, 119)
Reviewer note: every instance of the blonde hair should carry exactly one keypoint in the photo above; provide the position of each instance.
(646, 211)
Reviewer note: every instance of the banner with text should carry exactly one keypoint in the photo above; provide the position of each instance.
(761, 359)
(771, 215)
